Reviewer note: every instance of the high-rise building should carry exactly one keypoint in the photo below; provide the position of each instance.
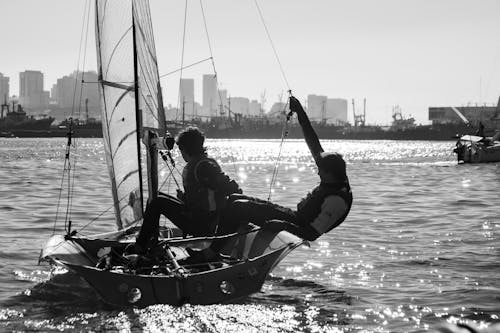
(336, 110)
(4, 89)
(254, 108)
(316, 107)
(66, 96)
(222, 101)
(240, 105)
(53, 93)
(31, 93)
(327, 110)
(210, 98)
(187, 98)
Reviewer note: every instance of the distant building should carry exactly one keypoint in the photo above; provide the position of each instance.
(4, 89)
(316, 107)
(336, 110)
(66, 95)
(327, 110)
(53, 94)
(187, 98)
(474, 114)
(223, 102)
(277, 113)
(254, 108)
(210, 99)
(31, 93)
(240, 105)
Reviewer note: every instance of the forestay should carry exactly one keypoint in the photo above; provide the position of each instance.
(127, 68)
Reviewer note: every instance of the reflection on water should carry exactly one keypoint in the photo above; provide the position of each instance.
(420, 245)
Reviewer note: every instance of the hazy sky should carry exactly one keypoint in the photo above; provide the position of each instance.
(415, 53)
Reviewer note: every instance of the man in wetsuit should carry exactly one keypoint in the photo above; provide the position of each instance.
(323, 209)
(195, 211)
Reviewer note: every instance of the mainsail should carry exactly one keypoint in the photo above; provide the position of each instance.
(131, 98)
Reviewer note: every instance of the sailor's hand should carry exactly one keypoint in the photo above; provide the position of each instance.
(295, 105)
(169, 141)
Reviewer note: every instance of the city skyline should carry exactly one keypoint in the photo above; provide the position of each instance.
(410, 53)
(64, 95)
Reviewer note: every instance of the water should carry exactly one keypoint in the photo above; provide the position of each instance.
(420, 246)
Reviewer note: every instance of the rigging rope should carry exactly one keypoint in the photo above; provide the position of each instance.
(168, 158)
(272, 44)
(188, 66)
(125, 196)
(215, 71)
(67, 162)
(284, 134)
(72, 187)
(284, 131)
(182, 59)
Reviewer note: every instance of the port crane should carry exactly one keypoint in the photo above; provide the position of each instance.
(262, 102)
(359, 119)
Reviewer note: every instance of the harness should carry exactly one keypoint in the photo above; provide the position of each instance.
(198, 197)
(309, 208)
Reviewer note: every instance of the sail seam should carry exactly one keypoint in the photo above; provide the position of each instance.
(125, 178)
(116, 48)
(124, 138)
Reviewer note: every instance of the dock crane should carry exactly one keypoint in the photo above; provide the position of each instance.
(359, 119)
(262, 102)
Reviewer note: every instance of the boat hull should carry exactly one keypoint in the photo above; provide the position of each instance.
(252, 256)
(213, 286)
(472, 150)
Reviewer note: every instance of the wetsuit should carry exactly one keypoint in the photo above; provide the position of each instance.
(196, 211)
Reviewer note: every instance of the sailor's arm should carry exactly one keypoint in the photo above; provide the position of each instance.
(310, 135)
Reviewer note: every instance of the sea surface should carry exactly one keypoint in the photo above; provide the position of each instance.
(420, 247)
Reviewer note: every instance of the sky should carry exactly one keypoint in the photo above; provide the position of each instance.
(411, 53)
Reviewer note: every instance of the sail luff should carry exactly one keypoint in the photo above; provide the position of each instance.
(151, 94)
(149, 97)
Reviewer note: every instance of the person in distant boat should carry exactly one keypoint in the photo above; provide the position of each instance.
(480, 131)
(322, 210)
(196, 211)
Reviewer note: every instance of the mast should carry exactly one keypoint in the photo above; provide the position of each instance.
(138, 119)
(86, 110)
(152, 153)
(183, 110)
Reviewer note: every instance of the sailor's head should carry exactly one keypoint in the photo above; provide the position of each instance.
(190, 142)
(331, 167)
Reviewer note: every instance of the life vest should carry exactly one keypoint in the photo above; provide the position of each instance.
(197, 197)
(309, 208)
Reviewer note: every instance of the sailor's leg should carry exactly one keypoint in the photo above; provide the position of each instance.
(249, 210)
(167, 205)
(257, 211)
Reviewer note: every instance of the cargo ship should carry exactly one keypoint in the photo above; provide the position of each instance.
(15, 122)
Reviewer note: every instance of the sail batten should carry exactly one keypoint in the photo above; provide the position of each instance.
(117, 85)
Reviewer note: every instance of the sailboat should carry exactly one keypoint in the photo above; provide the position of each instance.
(478, 149)
(134, 123)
